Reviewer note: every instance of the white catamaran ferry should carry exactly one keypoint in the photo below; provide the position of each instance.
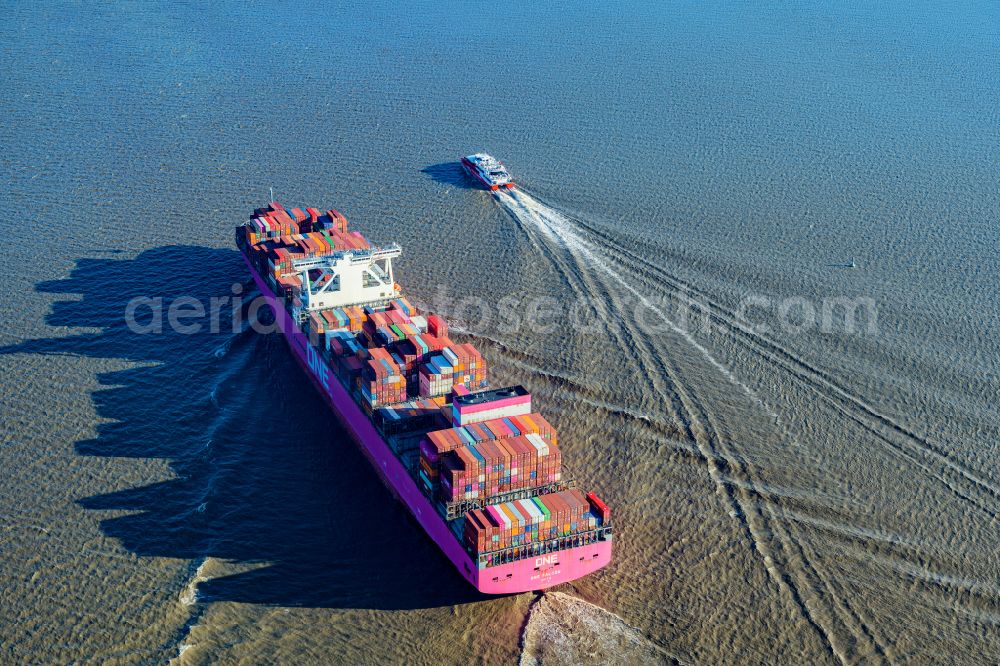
(488, 170)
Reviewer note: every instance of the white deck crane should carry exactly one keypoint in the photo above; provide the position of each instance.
(348, 277)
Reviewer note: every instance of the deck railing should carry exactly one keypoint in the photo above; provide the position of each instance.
(458, 509)
(539, 548)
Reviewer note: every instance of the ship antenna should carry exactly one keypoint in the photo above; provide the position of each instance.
(272, 195)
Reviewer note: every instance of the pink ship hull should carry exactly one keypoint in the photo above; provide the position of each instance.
(522, 576)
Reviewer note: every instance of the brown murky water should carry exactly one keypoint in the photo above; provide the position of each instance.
(698, 185)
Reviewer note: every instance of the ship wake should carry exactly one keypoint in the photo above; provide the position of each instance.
(188, 600)
(597, 266)
(967, 484)
(563, 629)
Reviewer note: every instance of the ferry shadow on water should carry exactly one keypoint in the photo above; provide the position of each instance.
(266, 482)
(452, 174)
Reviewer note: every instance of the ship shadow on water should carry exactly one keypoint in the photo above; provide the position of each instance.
(451, 174)
(266, 482)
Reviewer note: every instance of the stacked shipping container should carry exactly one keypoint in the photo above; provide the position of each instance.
(351, 318)
(274, 221)
(385, 327)
(382, 381)
(455, 365)
(282, 251)
(441, 442)
(527, 521)
(498, 466)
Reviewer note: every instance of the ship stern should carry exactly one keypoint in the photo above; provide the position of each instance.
(544, 571)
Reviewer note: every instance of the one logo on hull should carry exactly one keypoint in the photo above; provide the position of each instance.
(547, 560)
(318, 367)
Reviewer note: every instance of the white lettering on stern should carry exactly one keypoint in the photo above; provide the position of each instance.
(547, 560)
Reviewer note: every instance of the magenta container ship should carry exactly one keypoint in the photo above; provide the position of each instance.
(476, 467)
